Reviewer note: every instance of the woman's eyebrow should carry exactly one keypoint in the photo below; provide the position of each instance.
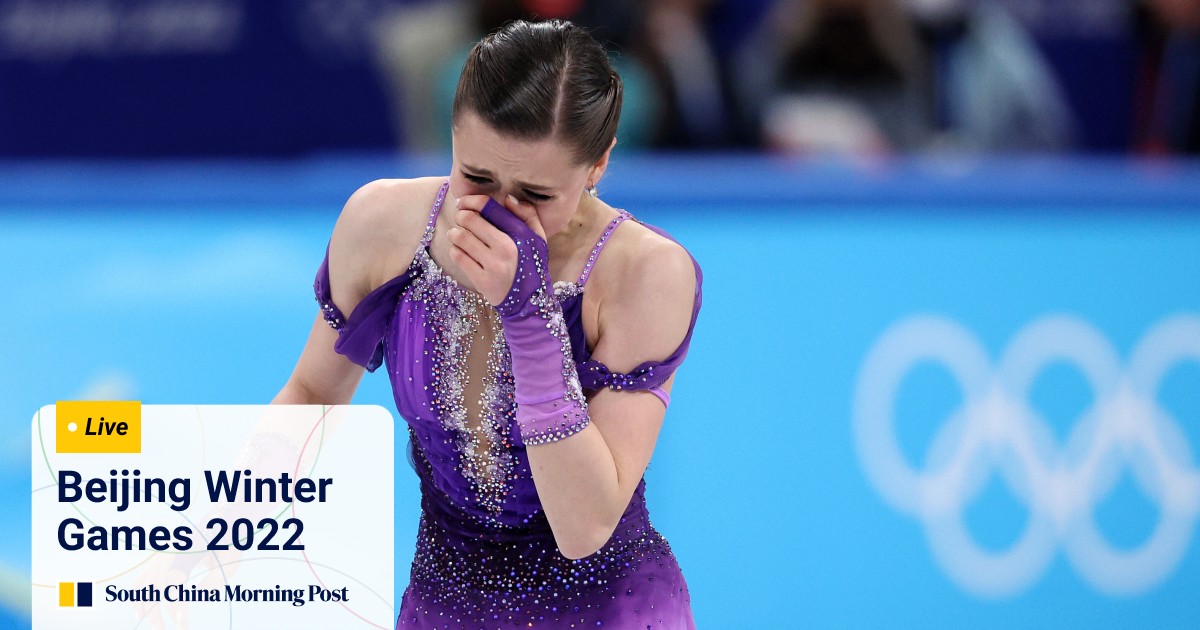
(486, 173)
(481, 171)
(535, 186)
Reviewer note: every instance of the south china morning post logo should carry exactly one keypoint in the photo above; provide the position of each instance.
(98, 427)
(71, 594)
(297, 596)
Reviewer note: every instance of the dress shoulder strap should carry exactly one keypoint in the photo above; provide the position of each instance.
(433, 214)
(608, 230)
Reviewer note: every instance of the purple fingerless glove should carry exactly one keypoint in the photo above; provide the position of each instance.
(550, 402)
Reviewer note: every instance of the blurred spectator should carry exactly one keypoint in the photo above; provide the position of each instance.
(414, 43)
(612, 21)
(1167, 98)
(842, 76)
(990, 88)
(676, 45)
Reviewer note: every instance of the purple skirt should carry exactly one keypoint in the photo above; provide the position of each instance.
(465, 576)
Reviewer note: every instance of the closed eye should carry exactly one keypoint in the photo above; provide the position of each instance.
(476, 179)
(530, 195)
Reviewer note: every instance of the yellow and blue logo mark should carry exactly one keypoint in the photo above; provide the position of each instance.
(72, 594)
(98, 426)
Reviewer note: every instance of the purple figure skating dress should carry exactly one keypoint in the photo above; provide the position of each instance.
(485, 555)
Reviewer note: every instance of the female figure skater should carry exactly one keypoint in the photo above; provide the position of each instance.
(531, 349)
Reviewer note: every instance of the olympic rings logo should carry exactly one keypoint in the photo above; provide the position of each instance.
(996, 429)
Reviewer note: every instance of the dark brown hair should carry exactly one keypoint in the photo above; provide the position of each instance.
(534, 80)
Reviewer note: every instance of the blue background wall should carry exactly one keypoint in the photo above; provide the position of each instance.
(191, 283)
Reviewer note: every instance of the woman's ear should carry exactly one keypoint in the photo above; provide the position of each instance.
(601, 165)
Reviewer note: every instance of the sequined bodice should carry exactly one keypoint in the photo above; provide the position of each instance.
(464, 411)
(468, 404)
(485, 554)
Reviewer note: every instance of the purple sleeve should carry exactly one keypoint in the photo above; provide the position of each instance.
(360, 336)
(550, 403)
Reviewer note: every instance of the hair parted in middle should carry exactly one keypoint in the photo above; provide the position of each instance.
(534, 80)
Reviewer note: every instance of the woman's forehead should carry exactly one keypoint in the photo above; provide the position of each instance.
(479, 147)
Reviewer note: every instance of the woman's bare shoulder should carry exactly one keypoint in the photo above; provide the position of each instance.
(646, 287)
(378, 232)
(642, 255)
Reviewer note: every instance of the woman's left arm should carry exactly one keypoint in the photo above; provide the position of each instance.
(586, 481)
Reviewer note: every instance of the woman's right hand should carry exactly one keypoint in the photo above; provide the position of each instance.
(501, 249)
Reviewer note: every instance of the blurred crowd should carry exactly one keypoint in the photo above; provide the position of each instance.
(832, 76)
(170, 78)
